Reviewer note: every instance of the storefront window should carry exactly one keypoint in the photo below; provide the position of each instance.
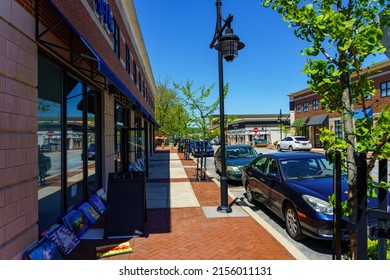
(91, 142)
(67, 142)
(49, 144)
(317, 134)
(74, 142)
(120, 125)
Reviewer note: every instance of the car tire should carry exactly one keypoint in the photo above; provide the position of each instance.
(278, 148)
(290, 148)
(293, 226)
(249, 193)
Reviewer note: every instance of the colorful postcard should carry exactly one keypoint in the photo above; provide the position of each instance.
(97, 203)
(89, 212)
(45, 249)
(76, 222)
(102, 194)
(66, 241)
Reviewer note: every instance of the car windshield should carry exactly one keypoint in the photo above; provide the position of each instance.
(306, 168)
(240, 152)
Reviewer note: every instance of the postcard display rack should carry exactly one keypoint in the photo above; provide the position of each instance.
(126, 205)
(61, 239)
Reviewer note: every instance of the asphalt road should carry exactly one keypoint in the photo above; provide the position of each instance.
(313, 249)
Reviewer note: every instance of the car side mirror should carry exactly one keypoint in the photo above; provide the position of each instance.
(273, 176)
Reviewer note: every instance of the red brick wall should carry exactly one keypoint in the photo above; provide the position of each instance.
(377, 103)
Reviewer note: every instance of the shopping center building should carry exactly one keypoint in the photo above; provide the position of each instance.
(305, 105)
(76, 103)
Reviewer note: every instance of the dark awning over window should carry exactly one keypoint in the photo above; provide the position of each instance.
(305, 119)
(318, 120)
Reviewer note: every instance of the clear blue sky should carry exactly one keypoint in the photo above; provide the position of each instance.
(177, 35)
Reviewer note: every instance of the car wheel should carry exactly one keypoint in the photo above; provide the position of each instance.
(278, 148)
(291, 148)
(249, 194)
(292, 223)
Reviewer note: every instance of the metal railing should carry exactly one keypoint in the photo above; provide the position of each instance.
(379, 230)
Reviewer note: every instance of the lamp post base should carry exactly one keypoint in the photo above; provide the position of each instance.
(224, 209)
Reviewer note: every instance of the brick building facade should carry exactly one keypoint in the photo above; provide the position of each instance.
(305, 105)
(76, 103)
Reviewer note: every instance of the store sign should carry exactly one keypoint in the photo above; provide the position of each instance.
(104, 12)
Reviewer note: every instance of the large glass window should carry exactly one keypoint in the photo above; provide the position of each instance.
(338, 129)
(74, 142)
(91, 142)
(315, 105)
(67, 142)
(120, 138)
(127, 63)
(385, 89)
(306, 106)
(317, 134)
(49, 144)
(116, 34)
(298, 108)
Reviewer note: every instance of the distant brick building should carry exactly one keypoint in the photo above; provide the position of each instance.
(305, 105)
(76, 103)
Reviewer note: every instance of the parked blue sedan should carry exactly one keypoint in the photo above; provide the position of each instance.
(296, 187)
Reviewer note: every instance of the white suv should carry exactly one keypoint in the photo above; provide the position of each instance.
(294, 143)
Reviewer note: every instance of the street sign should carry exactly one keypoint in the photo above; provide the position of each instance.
(255, 130)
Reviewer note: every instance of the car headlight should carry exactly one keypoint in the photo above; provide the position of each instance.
(232, 168)
(319, 205)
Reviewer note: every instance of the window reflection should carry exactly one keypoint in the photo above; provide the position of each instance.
(74, 142)
(91, 144)
(49, 144)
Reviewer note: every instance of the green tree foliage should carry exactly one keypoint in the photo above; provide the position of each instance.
(341, 35)
(299, 125)
(170, 112)
(199, 110)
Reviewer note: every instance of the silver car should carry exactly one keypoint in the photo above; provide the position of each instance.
(294, 143)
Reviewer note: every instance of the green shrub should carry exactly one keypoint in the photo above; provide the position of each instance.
(372, 250)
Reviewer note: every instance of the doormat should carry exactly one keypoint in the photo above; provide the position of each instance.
(113, 249)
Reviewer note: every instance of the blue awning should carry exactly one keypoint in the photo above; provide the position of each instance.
(359, 114)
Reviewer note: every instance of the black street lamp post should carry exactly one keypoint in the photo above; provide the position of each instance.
(227, 46)
(280, 123)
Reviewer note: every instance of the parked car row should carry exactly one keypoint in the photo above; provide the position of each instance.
(197, 147)
(296, 186)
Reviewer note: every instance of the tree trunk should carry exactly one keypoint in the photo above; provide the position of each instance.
(351, 166)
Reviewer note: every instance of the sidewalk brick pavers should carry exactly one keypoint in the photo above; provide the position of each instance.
(186, 234)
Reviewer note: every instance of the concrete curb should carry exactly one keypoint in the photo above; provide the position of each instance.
(280, 238)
